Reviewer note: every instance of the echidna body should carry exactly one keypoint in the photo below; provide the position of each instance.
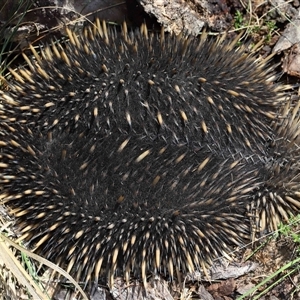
(140, 153)
(152, 86)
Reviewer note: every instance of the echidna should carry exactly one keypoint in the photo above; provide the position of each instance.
(133, 152)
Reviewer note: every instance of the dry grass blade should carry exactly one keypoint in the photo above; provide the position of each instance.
(22, 276)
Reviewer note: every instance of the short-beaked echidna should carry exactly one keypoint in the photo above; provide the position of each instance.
(138, 152)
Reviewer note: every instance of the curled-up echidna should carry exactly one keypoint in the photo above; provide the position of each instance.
(134, 152)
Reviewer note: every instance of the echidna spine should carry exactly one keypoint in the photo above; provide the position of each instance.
(131, 153)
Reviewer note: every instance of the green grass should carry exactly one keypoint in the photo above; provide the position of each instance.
(290, 232)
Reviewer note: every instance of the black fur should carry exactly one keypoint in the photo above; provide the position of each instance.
(141, 173)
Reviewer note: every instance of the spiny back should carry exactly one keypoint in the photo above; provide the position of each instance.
(145, 153)
(205, 94)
